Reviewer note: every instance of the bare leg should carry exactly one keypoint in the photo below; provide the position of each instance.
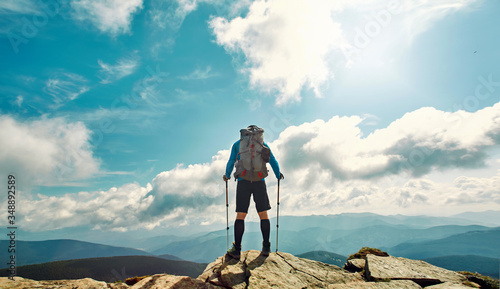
(241, 216)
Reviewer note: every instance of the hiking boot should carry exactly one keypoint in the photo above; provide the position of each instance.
(235, 251)
(266, 249)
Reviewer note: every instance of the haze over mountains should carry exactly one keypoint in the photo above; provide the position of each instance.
(446, 240)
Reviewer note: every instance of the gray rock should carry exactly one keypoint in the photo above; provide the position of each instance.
(393, 284)
(423, 273)
(281, 270)
(164, 281)
(355, 265)
(118, 286)
(448, 285)
(21, 283)
(278, 270)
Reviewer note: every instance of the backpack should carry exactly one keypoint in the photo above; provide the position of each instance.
(253, 155)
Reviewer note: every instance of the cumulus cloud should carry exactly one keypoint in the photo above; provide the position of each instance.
(417, 143)
(115, 209)
(109, 16)
(286, 44)
(330, 167)
(179, 197)
(191, 187)
(111, 72)
(392, 196)
(47, 151)
(293, 45)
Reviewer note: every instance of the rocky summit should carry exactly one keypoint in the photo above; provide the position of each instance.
(283, 270)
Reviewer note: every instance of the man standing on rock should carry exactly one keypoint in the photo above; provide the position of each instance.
(249, 155)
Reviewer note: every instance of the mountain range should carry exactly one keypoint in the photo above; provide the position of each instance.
(108, 269)
(324, 238)
(34, 252)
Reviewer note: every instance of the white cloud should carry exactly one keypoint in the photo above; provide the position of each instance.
(65, 87)
(294, 45)
(18, 7)
(123, 67)
(167, 18)
(286, 43)
(19, 100)
(171, 14)
(190, 188)
(420, 15)
(199, 74)
(184, 195)
(109, 16)
(417, 143)
(329, 167)
(114, 209)
(46, 151)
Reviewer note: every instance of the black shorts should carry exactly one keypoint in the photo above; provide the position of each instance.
(245, 189)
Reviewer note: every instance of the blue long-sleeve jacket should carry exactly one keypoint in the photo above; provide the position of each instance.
(234, 154)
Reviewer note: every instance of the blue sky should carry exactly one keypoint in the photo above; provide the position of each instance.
(137, 102)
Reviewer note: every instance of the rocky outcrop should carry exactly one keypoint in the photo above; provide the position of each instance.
(396, 284)
(420, 272)
(278, 270)
(21, 283)
(162, 281)
(283, 270)
(355, 265)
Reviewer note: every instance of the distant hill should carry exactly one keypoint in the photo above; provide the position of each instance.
(155, 240)
(384, 236)
(343, 234)
(344, 242)
(170, 257)
(480, 243)
(325, 257)
(487, 218)
(109, 269)
(471, 263)
(35, 252)
(350, 221)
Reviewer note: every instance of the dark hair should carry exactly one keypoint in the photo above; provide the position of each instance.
(254, 127)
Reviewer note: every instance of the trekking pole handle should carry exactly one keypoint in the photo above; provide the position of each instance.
(227, 202)
(278, 192)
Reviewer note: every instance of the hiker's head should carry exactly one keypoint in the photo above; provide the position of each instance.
(254, 128)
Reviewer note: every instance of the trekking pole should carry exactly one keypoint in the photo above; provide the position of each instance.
(277, 216)
(227, 218)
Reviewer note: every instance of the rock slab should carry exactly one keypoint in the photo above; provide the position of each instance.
(162, 281)
(423, 273)
(278, 270)
(21, 283)
(393, 284)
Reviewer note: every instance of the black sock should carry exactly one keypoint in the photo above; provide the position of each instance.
(265, 227)
(239, 228)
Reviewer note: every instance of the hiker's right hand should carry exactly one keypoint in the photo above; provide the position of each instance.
(225, 178)
(282, 177)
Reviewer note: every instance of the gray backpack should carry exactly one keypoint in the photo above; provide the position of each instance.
(253, 155)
